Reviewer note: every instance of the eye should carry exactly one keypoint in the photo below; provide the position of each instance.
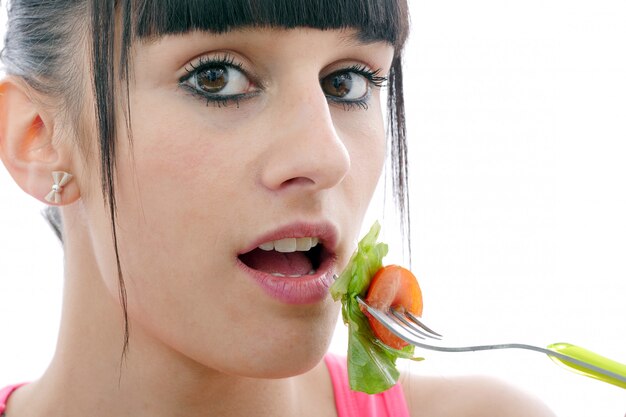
(348, 86)
(219, 79)
(352, 87)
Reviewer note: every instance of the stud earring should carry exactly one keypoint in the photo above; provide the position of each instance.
(60, 180)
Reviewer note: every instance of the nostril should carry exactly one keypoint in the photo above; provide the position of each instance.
(297, 181)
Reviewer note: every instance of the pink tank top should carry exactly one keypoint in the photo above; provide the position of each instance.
(349, 403)
(4, 396)
(390, 403)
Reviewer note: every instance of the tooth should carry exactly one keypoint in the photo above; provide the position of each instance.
(278, 274)
(314, 241)
(285, 245)
(295, 276)
(312, 272)
(303, 243)
(267, 246)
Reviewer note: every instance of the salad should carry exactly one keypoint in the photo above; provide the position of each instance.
(372, 349)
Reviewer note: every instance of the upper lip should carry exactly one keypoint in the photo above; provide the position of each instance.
(325, 231)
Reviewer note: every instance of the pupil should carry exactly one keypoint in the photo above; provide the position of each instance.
(213, 80)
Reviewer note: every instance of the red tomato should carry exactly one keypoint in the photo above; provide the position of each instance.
(393, 286)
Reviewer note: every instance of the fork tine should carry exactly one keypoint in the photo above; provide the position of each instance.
(390, 322)
(398, 324)
(397, 318)
(423, 326)
(406, 322)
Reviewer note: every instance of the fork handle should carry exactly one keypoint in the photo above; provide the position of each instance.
(579, 354)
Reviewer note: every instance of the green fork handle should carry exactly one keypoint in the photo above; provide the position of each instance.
(584, 355)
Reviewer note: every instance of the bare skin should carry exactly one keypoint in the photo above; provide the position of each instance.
(198, 326)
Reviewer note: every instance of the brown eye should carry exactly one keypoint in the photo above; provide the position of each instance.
(213, 80)
(345, 85)
(219, 80)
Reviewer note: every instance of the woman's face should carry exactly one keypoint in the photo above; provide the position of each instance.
(242, 140)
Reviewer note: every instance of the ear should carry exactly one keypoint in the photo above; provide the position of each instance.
(27, 148)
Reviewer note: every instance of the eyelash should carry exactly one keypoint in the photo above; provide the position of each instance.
(228, 60)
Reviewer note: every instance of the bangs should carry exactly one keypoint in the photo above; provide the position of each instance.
(374, 20)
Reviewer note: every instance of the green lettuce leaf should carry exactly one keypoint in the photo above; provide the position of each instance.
(371, 364)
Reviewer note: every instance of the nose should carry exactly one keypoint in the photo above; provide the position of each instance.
(306, 152)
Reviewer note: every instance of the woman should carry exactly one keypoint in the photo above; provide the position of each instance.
(208, 165)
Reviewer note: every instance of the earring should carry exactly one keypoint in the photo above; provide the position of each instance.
(60, 180)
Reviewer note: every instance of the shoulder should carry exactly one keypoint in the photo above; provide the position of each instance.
(468, 396)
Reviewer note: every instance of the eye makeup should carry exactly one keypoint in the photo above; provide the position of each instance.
(221, 80)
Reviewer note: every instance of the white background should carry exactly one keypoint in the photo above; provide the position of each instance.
(516, 115)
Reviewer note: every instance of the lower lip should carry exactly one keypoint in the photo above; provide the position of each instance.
(308, 289)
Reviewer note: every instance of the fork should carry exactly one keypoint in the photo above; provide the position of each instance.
(412, 330)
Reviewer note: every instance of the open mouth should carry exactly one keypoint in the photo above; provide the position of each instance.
(290, 257)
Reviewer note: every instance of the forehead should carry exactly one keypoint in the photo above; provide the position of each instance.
(371, 20)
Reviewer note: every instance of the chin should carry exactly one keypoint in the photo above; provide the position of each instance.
(286, 353)
(286, 364)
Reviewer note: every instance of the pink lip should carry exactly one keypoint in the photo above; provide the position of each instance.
(310, 288)
(325, 231)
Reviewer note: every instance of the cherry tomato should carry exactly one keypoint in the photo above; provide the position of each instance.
(396, 287)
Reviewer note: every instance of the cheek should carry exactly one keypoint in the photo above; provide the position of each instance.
(366, 146)
(170, 150)
(179, 196)
(365, 140)
(183, 163)
(174, 182)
